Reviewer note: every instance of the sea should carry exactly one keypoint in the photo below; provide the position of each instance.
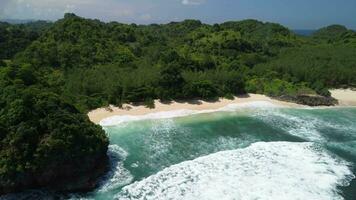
(304, 32)
(246, 151)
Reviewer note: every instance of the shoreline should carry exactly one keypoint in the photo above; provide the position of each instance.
(97, 115)
(345, 97)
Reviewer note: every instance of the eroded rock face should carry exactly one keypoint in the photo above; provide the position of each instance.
(310, 100)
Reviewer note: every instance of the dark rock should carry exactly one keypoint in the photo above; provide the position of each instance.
(310, 100)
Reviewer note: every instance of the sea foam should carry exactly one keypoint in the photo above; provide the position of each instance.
(118, 175)
(274, 170)
(119, 119)
(307, 125)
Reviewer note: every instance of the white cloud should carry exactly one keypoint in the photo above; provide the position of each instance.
(193, 2)
(3, 5)
(69, 8)
(146, 17)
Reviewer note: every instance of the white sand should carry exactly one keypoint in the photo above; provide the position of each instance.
(102, 113)
(346, 97)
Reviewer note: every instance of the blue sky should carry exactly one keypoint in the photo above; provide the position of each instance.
(297, 14)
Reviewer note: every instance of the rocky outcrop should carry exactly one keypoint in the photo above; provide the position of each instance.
(310, 100)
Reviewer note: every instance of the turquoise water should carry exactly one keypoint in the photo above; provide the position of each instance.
(249, 153)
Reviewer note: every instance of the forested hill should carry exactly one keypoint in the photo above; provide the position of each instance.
(51, 74)
(97, 63)
(15, 38)
(45, 142)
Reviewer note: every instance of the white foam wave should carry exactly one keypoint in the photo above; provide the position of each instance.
(275, 170)
(116, 120)
(159, 140)
(118, 176)
(252, 105)
(304, 125)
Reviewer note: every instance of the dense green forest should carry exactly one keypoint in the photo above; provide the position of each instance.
(92, 64)
(44, 140)
(51, 74)
(15, 38)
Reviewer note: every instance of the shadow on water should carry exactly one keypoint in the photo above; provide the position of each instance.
(348, 192)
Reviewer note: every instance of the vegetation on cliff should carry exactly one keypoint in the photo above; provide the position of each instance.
(44, 141)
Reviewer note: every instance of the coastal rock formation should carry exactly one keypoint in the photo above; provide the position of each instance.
(310, 100)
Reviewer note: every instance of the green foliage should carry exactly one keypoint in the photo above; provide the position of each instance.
(201, 89)
(40, 130)
(15, 38)
(322, 65)
(229, 96)
(335, 34)
(115, 63)
(2, 63)
(271, 34)
(276, 87)
(170, 82)
(149, 103)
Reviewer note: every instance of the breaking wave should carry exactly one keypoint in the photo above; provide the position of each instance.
(115, 120)
(273, 170)
(118, 175)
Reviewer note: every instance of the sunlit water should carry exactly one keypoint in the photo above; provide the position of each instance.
(258, 152)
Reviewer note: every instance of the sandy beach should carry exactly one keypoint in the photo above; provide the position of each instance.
(197, 105)
(345, 97)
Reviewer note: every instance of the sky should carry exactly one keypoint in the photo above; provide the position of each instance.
(295, 14)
